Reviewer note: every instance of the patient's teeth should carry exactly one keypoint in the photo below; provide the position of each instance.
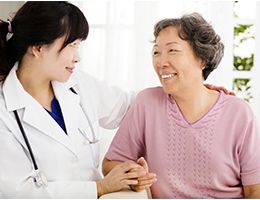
(167, 75)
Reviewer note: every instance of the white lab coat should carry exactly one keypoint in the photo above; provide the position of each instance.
(69, 162)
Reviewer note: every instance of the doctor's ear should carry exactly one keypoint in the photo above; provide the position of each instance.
(35, 51)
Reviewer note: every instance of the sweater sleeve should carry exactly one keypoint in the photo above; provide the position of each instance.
(128, 143)
(250, 155)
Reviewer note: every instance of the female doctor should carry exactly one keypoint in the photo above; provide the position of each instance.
(50, 113)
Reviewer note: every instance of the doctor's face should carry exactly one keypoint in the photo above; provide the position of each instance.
(59, 64)
(175, 63)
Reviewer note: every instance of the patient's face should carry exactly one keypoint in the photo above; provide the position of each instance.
(175, 62)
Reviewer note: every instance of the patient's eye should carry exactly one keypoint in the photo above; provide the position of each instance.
(155, 53)
(173, 50)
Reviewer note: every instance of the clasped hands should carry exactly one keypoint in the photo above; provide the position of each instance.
(131, 174)
(145, 180)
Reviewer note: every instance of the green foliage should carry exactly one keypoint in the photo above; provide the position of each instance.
(243, 64)
(242, 28)
(242, 34)
(242, 87)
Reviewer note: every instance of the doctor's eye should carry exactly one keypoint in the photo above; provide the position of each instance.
(75, 44)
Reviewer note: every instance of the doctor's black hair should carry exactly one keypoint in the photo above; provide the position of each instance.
(39, 23)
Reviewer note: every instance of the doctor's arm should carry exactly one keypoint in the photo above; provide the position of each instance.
(114, 104)
(110, 103)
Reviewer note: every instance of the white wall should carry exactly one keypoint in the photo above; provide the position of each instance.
(223, 25)
(8, 7)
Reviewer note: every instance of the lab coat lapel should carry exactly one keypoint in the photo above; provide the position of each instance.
(36, 116)
(69, 103)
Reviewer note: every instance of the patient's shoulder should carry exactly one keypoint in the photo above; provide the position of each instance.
(154, 92)
(233, 104)
(151, 95)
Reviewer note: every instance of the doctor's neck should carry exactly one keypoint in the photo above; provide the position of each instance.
(35, 84)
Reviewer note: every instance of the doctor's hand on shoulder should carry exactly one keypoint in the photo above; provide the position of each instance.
(120, 177)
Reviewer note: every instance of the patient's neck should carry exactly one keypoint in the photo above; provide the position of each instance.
(194, 103)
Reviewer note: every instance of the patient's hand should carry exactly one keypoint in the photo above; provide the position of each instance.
(146, 181)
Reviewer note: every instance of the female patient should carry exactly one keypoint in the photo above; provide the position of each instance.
(201, 143)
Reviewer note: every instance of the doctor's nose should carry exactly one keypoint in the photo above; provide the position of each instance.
(76, 58)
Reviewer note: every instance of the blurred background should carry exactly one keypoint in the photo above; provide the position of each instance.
(118, 49)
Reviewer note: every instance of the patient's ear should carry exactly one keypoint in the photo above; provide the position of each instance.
(202, 64)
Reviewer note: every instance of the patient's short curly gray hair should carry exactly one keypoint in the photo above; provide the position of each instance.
(201, 36)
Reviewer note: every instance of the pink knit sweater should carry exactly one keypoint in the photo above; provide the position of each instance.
(210, 158)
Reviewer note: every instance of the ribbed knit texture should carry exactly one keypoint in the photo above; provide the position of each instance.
(189, 151)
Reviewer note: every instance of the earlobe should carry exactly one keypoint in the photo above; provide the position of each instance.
(35, 50)
(203, 65)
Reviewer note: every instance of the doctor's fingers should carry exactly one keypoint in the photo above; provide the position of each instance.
(144, 182)
(148, 176)
(131, 178)
(128, 182)
(128, 166)
(147, 181)
(137, 174)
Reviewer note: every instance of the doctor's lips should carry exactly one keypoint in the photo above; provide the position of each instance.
(70, 69)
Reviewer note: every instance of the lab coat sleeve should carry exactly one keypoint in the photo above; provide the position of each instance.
(111, 103)
(16, 175)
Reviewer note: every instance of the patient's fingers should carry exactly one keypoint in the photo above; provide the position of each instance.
(141, 187)
(147, 182)
(143, 163)
(144, 182)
